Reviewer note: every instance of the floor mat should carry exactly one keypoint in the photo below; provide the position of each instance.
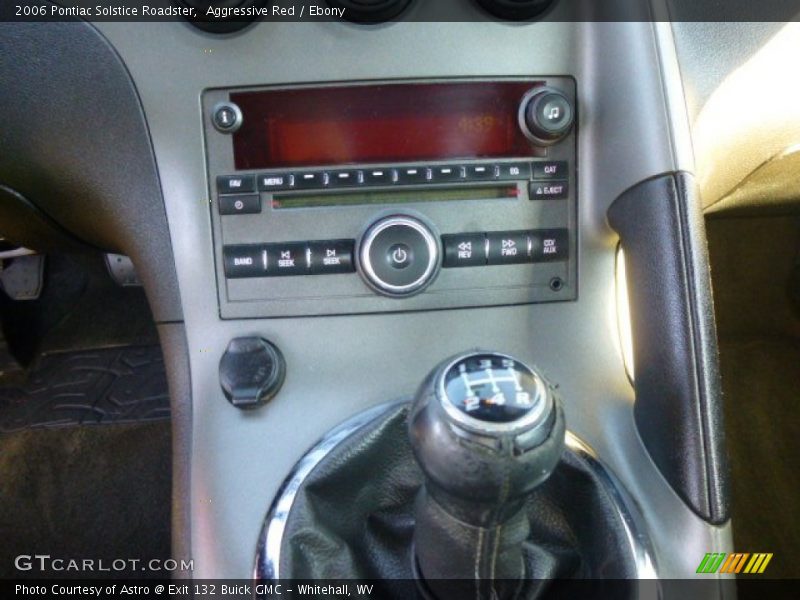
(761, 382)
(109, 385)
(86, 492)
(85, 461)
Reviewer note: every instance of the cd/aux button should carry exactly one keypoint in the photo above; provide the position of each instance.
(550, 245)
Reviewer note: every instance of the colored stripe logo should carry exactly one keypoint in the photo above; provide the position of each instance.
(738, 562)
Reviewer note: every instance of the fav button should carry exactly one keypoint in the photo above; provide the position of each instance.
(508, 247)
(235, 184)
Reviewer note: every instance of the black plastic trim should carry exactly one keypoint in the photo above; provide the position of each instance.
(678, 408)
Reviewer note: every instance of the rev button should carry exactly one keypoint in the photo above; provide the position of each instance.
(464, 250)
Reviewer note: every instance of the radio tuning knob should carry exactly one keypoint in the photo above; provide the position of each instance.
(546, 116)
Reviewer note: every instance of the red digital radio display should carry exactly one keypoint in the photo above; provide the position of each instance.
(382, 123)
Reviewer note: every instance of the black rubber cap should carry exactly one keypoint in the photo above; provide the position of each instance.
(516, 10)
(251, 372)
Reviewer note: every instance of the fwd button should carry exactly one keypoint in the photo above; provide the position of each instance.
(508, 247)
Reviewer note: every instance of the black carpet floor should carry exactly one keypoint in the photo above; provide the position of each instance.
(95, 492)
(761, 380)
(85, 456)
(754, 273)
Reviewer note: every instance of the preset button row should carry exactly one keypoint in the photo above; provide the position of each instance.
(389, 176)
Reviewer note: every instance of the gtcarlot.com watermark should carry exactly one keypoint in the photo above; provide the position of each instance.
(46, 563)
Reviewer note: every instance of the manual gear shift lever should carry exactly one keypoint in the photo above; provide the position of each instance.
(486, 430)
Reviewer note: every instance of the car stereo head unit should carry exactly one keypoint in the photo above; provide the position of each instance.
(392, 196)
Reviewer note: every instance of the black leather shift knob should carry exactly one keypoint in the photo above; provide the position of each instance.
(486, 430)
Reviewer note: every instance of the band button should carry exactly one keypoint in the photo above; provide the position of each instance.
(244, 261)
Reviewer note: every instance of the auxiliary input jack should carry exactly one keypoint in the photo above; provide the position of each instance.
(556, 284)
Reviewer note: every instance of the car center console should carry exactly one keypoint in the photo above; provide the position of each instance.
(401, 195)
(373, 199)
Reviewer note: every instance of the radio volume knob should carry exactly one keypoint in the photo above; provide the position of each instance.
(398, 256)
(546, 116)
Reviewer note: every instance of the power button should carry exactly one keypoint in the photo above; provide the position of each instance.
(398, 256)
